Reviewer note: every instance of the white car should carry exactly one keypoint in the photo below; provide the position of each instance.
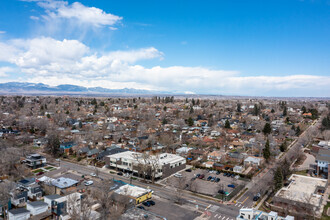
(179, 175)
(88, 183)
(93, 174)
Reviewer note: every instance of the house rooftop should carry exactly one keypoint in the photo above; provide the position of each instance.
(37, 203)
(53, 197)
(19, 211)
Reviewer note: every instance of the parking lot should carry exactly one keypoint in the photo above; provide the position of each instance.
(170, 210)
(205, 185)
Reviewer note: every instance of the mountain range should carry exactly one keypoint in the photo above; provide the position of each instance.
(40, 88)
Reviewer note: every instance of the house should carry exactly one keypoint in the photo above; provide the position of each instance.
(50, 198)
(215, 156)
(34, 161)
(65, 146)
(93, 152)
(19, 196)
(323, 161)
(83, 151)
(62, 206)
(182, 151)
(18, 214)
(253, 161)
(34, 191)
(37, 207)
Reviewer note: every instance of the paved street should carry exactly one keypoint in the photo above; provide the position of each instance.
(204, 204)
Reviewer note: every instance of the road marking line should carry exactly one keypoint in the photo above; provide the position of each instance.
(223, 217)
(227, 218)
(219, 216)
(215, 215)
(245, 200)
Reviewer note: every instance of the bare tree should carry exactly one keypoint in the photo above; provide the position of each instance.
(181, 184)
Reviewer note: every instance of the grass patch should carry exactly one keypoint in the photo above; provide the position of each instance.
(49, 168)
(302, 172)
(37, 171)
(324, 214)
(52, 169)
(241, 193)
(112, 172)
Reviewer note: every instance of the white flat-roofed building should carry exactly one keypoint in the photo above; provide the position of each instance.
(303, 194)
(139, 194)
(165, 164)
(251, 214)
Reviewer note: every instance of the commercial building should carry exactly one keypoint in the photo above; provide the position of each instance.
(252, 214)
(160, 166)
(139, 194)
(303, 195)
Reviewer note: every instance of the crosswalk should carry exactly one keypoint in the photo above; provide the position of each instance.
(222, 217)
(219, 216)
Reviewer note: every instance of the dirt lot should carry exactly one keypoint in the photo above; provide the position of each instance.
(202, 185)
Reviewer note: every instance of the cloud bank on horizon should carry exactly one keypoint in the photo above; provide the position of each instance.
(53, 61)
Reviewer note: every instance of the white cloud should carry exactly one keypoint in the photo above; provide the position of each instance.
(34, 18)
(2, 32)
(57, 62)
(77, 12)
(4, 70)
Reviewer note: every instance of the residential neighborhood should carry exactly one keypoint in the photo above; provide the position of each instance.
(105, 158)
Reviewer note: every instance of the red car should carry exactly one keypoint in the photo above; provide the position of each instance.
(201, 176)
(40, 173)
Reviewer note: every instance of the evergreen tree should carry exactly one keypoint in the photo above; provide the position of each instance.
(326, 123)
(285, 111)
(256, 110)
(239, 107)
(278, 179)
(303, 109)
(283, 147)
(164, 121)
(227, 124)
(190, 121)
(298, 131)
(266, 151)
(191, 110)
(272, 111)
(267, 129)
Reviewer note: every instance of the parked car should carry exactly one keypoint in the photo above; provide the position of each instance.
(201, 176)
(88, 183)
(217, 180)
(120, 174)
(222, 191)
(192, 179)
(231, 186)
(209, 178)
(218, 172)
(147, 203)
(93, 174)
(232, 175)
(198, 175)
(152, 202)
(141, 207)
(256, 197)
(178, 175)
(40, 173)
(188, 170)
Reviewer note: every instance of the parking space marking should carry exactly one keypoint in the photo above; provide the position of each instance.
(215, 215)
(227, 218)
(223, 217)
(245, 200)
(219, 217)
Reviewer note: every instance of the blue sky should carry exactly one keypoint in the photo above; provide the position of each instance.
(269, 48)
